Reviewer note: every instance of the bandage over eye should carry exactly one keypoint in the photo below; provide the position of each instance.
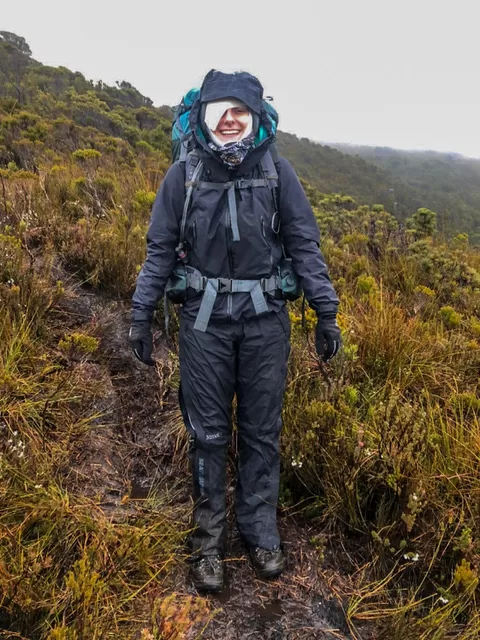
(215, 110)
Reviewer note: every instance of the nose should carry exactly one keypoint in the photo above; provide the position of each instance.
(228, 115)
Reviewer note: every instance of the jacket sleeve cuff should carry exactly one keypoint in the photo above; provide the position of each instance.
(327, 314)
(142, 317)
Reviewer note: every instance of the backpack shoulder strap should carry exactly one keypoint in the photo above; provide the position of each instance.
(191, 160)
(274, 153)
(268, 163)
(269, 168)
(193, 168)
(183, 149)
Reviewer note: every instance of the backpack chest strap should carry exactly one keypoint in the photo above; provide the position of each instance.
(193, 169)
(242, 183)
(230, 186)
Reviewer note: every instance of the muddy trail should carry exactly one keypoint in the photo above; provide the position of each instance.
(138, 453)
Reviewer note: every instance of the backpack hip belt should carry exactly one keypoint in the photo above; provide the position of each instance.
(211, 287)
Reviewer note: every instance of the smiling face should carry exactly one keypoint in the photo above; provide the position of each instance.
(233, 124)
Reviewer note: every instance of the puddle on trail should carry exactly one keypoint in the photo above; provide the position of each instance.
(266, 611)
(139, 491)
(226, 595)
(269, 611)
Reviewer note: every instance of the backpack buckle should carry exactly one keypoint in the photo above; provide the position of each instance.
(224, 285)
(242, 183)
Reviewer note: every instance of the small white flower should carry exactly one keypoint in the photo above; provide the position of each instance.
(414, 557)
(21, 454)
(443, 600)
(14, 433)
(414, 497)
(38, 486)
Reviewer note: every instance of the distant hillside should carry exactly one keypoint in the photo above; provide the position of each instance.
(448, 183)
(332, 171)
(47, 112)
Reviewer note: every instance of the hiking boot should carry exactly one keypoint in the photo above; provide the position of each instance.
(268, 563)
(207, 573)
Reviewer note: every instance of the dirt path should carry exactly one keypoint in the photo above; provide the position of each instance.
(139, 451)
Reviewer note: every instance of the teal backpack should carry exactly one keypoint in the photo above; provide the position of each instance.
(181, 131)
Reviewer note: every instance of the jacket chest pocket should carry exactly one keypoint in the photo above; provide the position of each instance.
(205, 232)
(213, 226)
(255, 250)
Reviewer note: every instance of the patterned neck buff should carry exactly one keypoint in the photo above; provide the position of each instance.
(233, 153)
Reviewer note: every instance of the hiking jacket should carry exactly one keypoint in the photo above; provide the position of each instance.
(212, 249)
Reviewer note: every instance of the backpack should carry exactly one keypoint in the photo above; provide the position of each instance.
(181, 132)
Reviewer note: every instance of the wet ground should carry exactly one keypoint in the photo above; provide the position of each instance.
(140, 449)
(295, 606)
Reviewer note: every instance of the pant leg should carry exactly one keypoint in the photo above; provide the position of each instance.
(262, 367)
(207, 386)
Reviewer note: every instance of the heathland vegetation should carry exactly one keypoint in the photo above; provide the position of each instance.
(380, 449)
(445, 182)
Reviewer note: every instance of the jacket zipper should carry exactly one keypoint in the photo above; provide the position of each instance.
(230, 262)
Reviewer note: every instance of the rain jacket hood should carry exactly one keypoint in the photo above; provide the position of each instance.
(242, 86)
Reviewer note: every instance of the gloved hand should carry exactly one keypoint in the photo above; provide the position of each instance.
(328, 338)
(141, 341)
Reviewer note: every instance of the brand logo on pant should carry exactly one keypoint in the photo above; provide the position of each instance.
(212, 436)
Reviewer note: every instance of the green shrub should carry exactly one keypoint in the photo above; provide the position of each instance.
(366, 284)
(143, 201)
(78, 342)
(450, 318)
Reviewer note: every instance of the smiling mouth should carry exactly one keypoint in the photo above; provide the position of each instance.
(230, 132)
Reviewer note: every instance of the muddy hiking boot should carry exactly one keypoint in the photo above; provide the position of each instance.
(207, 573)
(268, 563)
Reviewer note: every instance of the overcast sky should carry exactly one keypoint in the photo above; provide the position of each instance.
(402, 74)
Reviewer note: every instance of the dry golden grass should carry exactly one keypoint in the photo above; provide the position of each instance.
(384, 442)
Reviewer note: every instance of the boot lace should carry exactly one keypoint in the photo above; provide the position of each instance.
(209, 564)
(264, 555)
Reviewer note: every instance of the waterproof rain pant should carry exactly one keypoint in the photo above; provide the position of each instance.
(249, 359)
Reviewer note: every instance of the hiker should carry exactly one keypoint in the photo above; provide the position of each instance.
(227, 219)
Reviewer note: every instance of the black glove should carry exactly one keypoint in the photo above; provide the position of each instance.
(328, 338)
(141, 341)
